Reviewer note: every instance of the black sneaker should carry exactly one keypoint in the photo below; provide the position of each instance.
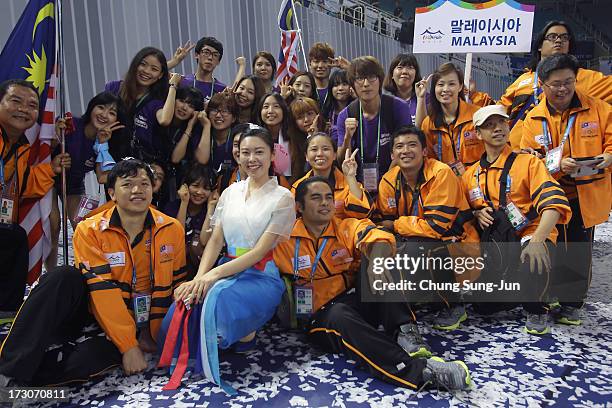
(449, 375)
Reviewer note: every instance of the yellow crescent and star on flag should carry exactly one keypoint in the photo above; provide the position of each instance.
(37, 68)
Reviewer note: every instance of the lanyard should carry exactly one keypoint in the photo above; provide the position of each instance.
(457, 146)
(361, 131)
(549, 142)
(314, 264)
(2, 179)
(150, 265)
(238, 175)
(416, 196)
(536, 89)
(212, 86)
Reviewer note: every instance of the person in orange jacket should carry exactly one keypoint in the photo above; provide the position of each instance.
(526, 92)
(350, 198)
(574, 132)
(320, 260)
(128, 260)
(19, 110)
(421, 199)
(532, 197)
(451, 137)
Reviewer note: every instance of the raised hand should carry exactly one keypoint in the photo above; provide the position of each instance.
(175, 79)
(420, 88)
(349, 165)
(105, 133)
(350, 126)
(286, 90)
(314, 127)
(183, 193)
(183, 50)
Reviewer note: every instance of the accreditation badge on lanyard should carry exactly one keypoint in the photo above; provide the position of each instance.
(514, 214)
(370, 170)
(141, 302)
(554, 156)
(9, 193)
(304, 294)
(456, 165)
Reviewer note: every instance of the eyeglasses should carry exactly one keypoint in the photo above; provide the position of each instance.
(552, 37)
(557, 86)
(210, 54)
(223, 112)
(361, 79)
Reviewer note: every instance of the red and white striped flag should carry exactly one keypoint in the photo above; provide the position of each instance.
(288, 55)
(34, 213)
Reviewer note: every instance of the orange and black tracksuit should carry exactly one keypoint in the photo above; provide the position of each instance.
(519, 97)
(27, 182)
(481, 99)
(346, 204)
(590, 197)
(436, 209)
(100, 291)
(532, 190)
(340, 321)
(456, 141)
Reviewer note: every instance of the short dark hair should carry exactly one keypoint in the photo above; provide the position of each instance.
(105, 98)
(128, 168)
(211, 42)
(554, 63)
(192, 96)
(409, 130)
(536, 55)
(327, 136)
(302, 188)
(197, 172)
(365, 66)
(223, 99)
(5, 85)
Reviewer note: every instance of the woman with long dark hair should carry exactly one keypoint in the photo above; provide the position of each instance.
(249, 90)
(264, 67)
(143, 92)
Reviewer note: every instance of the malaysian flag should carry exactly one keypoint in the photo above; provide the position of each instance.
(288, 55)
(30, 54)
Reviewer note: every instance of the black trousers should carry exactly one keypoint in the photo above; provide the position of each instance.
(534, 287)
(575, 247)
(350, 327)
(56, 313)
(14, 266)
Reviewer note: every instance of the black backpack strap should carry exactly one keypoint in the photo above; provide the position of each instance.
(503, 179)
(353, 109)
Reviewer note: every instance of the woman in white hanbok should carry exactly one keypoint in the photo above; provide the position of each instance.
(240, 294)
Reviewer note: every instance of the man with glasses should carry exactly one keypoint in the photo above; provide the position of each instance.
(107, 309)
(367, 123)
(573, 132)
(525, 93)
(208, 53)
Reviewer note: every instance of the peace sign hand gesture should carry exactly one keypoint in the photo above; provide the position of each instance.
(349, 165)
(105, 134)
(182, 51)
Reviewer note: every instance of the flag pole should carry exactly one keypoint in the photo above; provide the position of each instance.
(467, 74)
(60, 89)
(301, 39)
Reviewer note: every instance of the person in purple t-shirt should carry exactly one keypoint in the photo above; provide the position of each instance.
(196, 204)
(222, 111)
(208, 53)
(402, 77)
(367, 123)
(142, 91)
(100, 122)
(320, 57)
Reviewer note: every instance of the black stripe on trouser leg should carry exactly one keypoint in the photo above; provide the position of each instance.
(339, 328)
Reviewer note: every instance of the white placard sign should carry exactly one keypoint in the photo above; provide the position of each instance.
(455, 26)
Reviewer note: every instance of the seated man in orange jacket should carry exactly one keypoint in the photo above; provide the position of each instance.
(422, 200)
(109, 310)
(19, 110)
(321, 259)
